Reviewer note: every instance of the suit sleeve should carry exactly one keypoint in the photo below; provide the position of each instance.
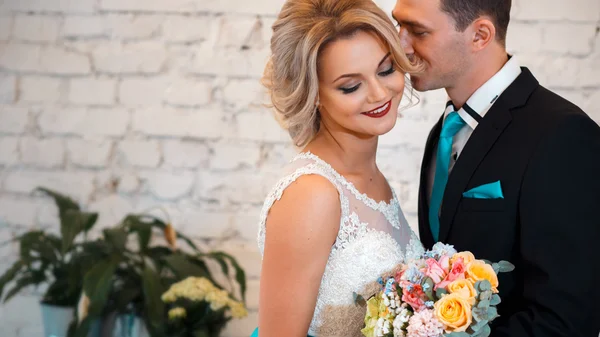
(559, 213)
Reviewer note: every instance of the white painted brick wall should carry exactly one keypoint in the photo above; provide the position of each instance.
(129, 104)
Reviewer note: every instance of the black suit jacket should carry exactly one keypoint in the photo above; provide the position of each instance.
(546, 153)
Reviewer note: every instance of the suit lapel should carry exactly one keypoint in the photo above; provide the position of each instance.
(481, 141)
(431, 145)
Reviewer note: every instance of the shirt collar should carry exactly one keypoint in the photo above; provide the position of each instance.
(483, 98)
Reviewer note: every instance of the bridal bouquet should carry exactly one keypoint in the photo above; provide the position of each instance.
(442, 293)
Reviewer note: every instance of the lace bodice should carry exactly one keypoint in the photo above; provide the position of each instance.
(373, 239)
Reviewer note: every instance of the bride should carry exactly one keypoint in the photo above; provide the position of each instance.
(332, 225)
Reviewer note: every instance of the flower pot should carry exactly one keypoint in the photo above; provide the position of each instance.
(56, 321)
(126, 325)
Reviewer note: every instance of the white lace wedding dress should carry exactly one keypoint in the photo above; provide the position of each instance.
(373, 239)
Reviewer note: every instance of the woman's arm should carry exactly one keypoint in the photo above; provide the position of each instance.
(300, 231)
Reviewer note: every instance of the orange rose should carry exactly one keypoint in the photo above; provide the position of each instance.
(479, 271)
(467, 257)
(454, 312)
(465, 289)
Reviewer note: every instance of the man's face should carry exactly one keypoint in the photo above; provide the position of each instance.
(428, 34)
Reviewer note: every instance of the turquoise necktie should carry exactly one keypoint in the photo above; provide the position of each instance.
(452, 124)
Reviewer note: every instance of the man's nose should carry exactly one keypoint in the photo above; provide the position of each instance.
(406, 42)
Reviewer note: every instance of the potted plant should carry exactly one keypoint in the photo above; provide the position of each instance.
(131, 281)
(58, 261)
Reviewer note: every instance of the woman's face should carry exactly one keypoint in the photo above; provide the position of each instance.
(359, 88)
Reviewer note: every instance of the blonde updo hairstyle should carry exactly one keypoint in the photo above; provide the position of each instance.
(302, 30)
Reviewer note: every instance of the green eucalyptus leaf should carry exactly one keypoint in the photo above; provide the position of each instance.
(495, 299)
(483, 285)
(439, 292)
(483, 304)
(479, 325)
(485, 331)
(457, 334)
(485, 295)
(505, 267)
(492, 313)
(479, 314)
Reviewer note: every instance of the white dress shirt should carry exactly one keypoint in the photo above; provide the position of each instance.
(474, 110)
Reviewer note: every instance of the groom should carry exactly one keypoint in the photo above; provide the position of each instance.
(511, 171)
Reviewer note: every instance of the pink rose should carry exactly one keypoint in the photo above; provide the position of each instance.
(414, 297)
(457, 273)
(435, 271)
(445, 263)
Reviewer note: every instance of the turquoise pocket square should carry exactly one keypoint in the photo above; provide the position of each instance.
(487, 191)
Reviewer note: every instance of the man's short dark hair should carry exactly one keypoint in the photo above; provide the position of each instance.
(464, 12)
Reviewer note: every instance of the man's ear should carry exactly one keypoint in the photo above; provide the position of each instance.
(483, 33)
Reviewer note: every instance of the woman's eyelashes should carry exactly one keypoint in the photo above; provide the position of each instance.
(387, 72)
(350, 90)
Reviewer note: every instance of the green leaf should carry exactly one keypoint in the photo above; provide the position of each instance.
(28, 244)
(240, 275)
(495, 299)
(83, 329)
(73, 223)
(439, 292)
(505, 267)
(10, 274)
(479, 314)
(63, 202)
(153, 291)
(116, 237)
(200, 333)
(97, 284)
(144, 233)
(182, 267)
(484, 332)
(483, 285)
(27, 280)
(479, 325)
(492, 313)
(496, 267)
(485, 295)
(457, 334)
(483, 304)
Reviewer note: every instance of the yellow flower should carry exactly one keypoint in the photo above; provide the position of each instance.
(176, 313)
(237, 309)
(479, 271)
(465, 289)
(454, 312)
(467, 257)
(217, 299)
